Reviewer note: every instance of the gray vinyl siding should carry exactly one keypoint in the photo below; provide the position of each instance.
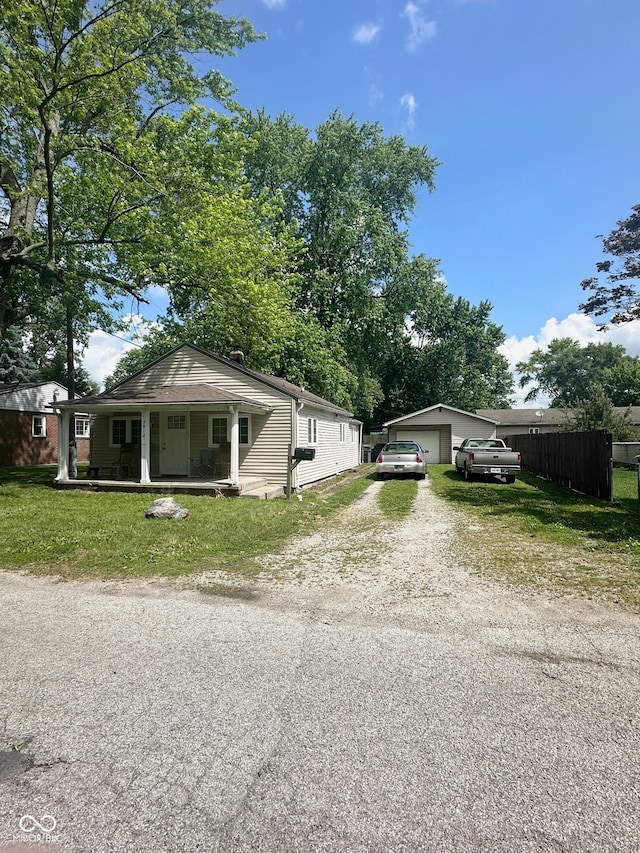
(332, 455)
(453, 426)
(270, 433)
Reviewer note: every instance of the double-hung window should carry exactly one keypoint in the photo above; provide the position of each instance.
(83, 426)
(125, 431)
(38, 426)
(219, 430)
(312, 430)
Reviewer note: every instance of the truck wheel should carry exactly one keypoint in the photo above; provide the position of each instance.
(467, 474)
(510, 478)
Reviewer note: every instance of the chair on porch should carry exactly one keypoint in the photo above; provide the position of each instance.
(127, 464)
(204, 466)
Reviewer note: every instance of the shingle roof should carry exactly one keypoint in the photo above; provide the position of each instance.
(202, 393)
(555, 417)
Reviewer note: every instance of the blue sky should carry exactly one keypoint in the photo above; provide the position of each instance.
(529, 105)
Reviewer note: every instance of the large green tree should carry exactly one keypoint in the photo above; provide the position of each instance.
(565, 372)
(91, 95)
(616, 297)
(384, 315)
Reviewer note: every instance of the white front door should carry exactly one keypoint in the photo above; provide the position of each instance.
(174, 444)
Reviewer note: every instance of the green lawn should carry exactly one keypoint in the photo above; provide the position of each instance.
(77, 534)
(535, 533)
(530, 533)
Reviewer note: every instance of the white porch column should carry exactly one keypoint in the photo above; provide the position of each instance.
(145, 446)
(63, 445)
(234, 473)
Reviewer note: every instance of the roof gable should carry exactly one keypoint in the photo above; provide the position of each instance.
(439, 407)
(273, 382)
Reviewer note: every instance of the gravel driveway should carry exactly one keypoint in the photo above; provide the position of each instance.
(374, 697)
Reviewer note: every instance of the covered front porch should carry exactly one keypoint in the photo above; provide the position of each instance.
(188, 438)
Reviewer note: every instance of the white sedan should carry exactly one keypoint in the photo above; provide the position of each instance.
(401, 457)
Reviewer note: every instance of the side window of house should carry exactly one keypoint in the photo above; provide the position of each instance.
(534, 430)
(312, 430)
(218, 431)
(343, 433)
(83, 426)
(38, 426)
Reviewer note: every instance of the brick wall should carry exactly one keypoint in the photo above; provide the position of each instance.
(19, 447)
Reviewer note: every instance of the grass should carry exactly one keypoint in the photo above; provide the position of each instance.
(530, 533)
(542, 535)
(78, 534)
(396, 498)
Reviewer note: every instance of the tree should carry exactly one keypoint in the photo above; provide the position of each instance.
(84, 89)
(564, 372)
(595, 411)
(618, 298)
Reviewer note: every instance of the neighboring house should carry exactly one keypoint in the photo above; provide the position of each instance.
(193, 415)
(28, 427)
(539, 420)
(438, 428)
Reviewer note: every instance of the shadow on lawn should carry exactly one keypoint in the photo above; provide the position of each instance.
(548, 504)
(31, 475)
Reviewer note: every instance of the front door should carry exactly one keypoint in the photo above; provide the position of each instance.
(174, 444)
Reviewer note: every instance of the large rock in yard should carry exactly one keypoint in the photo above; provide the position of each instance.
(166, 508)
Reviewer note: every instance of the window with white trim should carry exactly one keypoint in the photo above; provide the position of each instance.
(343, 433)
(534, 430)
(38, 426)
(312, 430)
(125, 431)
(83, 427)
(244, 424)
(220, 430)
(217, 431)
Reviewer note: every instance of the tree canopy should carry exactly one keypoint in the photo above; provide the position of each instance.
(91, 102)
(565, 371)
(617, 297)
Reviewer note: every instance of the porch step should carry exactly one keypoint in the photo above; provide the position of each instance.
(261, 490)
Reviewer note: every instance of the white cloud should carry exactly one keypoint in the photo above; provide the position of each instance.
(576, 326)
(411, 105)
(105, 351)
(274, 4)
(366, 33)
(420, 28)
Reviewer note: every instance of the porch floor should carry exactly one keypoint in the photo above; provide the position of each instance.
(249, 487)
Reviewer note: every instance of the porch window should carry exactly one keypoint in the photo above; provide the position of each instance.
(312, 430)
(126, 431)
(245, 436)
(83, 426)
(38, 426)
(218, 431)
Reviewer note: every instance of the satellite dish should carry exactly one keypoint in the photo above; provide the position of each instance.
(539, 413)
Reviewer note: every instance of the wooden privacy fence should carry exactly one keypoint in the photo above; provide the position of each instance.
(578, 460)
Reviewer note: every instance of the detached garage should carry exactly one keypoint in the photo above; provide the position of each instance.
(438, 428)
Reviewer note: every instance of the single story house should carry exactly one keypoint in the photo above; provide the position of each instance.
(438, 428)
(193, 417)
(28, 427)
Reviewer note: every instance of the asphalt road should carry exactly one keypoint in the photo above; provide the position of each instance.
(149, 717)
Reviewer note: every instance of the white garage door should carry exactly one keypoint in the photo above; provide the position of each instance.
(428, 439)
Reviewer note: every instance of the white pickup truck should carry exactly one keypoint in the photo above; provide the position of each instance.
(487, 456)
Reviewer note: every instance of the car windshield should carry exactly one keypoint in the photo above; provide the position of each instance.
(401, 447)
